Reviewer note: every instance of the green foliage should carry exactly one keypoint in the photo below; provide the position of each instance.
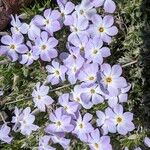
(18, 81)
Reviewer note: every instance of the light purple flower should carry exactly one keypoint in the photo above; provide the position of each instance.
(138, 148)
(94, 51)
(33, 31)
(123, 120)
(88, 74)
(24, 121)
(110, 79)
(121, 98)
(97, 142)
(60, 122)
(61, 140)
(17, 26)
(103, 28)
(105, 121)
(74, 63)
(56, 72)
(78, 43)
(78, 26)
(115, 120)
(147, 141)
(13, 46)
(4, 134)
(85, 9)
(83, 127)
(29, 57)
(76, 96)
(43, 143)
(45, 47)
(40, 97)
(66, 8)
(49, 22)
(1, 92)
(69, 107)
(92, 95)
(109, 5)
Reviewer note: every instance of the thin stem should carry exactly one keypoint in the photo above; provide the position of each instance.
(62, 87)
(17, 101)
(4, 62)
(2, 117)
(129, 64)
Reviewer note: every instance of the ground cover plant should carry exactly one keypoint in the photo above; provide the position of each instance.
(72, 76)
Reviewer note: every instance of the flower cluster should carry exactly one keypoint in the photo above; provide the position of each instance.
(83, 66)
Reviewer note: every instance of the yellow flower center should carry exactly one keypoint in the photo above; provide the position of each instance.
(58, 123)
(39, 97)
(57, 72)
(82, 49)
(96, 146)
(101, 29)
(91, 78)
(92, 91)
(81, 125)
(119, 120)
(108, 80)
(62, 14)
(12, 46)
(78, 99)
(95, 51)
(47, 22)
(43, 47)
(81, 12)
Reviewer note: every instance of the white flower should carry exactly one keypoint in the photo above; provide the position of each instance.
(40, 97)
(24, 121)
(147, 141)
(4, 131)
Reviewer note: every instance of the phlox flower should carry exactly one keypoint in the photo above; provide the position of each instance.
(92, 95)
(83, 127)
(49, 22)
(61, 140)
(78, 43)
(94, 51)
(17, 26)
(115, 120)
(4, 134)
(68, 106)
(66, 8)
(147, 141)
(29, 57)
(23, 120)
(78, 26)
(74, 63)
(138, 148)
(1, 92)
(13, 46)
(40, 97)
(60, 122)
(45, 47)
(103, 28)
(33, 31)
(43, 143)
(88, 74)
(105, 121)
(110, 79)
(76, 96)
(97, 142)
(123, 120)
(109, 5)
(56, 72)
(121, 98)
(85, 9)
